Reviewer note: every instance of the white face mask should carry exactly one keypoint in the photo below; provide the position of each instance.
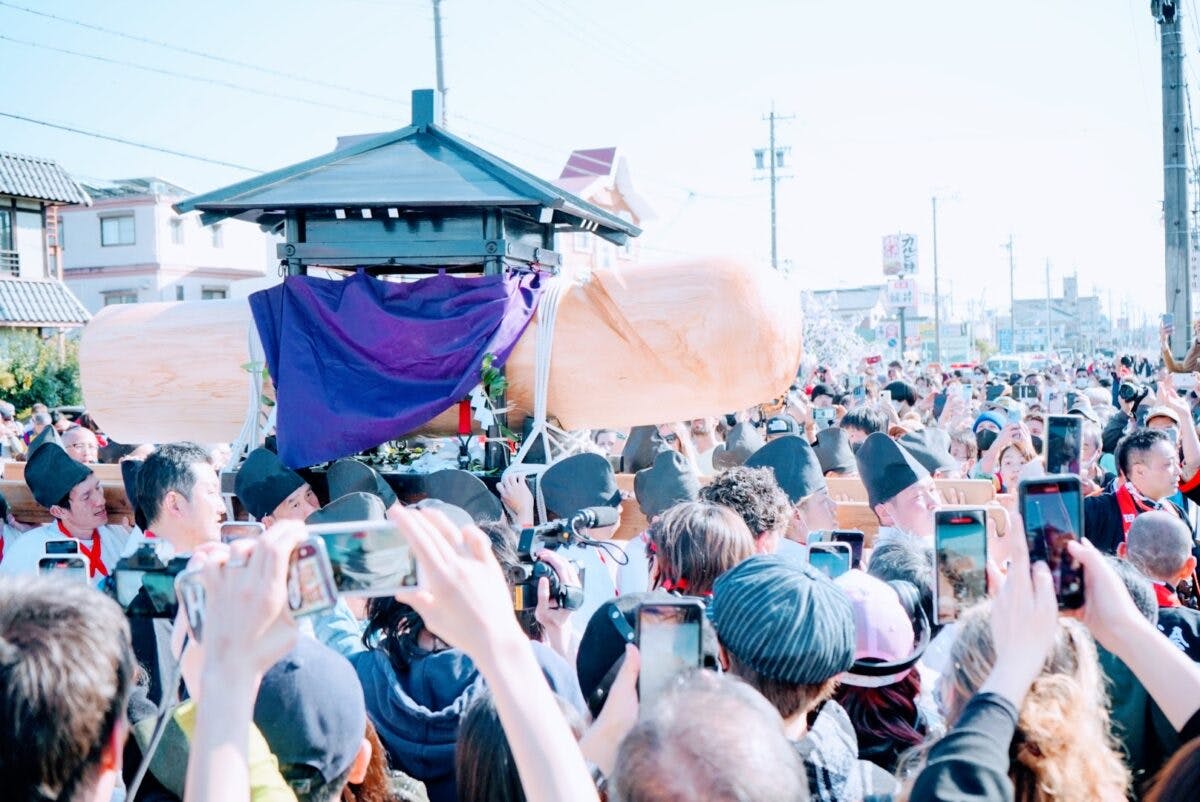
(1081, 382)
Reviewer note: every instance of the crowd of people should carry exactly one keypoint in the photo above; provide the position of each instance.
(509, 671)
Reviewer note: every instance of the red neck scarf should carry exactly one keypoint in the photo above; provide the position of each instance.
(1132, 504)
(1165, 595)
(95, 563)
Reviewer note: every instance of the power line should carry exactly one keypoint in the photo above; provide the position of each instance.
(130, 142)
(185, 76)
(202, 54)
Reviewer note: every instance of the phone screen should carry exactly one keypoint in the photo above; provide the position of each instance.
(311, 587)
(1064, 444)
(73, 568)
(1052, 509)
(960, 538)
(823, 417)
(831, 559)
(64, 546)
(854, 538)
(236, 530)
(994, 391)
(669, 641)
(368, 558)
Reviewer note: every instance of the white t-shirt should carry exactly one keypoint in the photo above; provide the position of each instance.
(634, 576)
(23, 554)
(599, 580)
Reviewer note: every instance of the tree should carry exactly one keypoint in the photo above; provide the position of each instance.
(32, 370)
(828, 340)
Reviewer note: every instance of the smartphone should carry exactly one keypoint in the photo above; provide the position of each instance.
(823, 416)
(960, 555)
(819, 536)
(669, 639)
(190, 596)
(368, 558)
(1168, 322)
(855, 538)
(1064, 444)
(885, 396)
(1025, 392)
(1052, 509)
(65, 567)
(831, 559)
(994, 391)
(236, 530)
(58, 547)
(968, 393)
(311, 587)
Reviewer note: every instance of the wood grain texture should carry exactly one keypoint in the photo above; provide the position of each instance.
(651, 344)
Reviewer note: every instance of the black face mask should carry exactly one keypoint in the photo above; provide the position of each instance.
(854, 447)
(985, 438)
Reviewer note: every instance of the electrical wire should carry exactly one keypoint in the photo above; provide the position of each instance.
(197, 78)
(204, 54)
(129, 142)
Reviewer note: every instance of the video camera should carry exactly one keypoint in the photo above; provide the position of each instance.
(144, 584)
(1133, 392)
(554, 535)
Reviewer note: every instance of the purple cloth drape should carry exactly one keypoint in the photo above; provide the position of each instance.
(361, 361)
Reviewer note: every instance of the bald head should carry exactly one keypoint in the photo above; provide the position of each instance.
(1159, 545)
(712, 737)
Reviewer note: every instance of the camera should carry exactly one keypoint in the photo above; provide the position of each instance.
(1132, 391)
(144, 583)
(552, 535)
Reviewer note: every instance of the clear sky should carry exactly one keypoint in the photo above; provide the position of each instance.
(1036, 117)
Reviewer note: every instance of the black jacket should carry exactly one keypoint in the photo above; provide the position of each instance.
(1102, 522)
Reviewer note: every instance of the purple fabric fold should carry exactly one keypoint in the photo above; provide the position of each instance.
(362, 361)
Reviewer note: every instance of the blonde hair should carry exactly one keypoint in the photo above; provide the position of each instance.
(1063, 749)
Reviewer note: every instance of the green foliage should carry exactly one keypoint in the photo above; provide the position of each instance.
(985, 349)
(492, 378)
(32, 370)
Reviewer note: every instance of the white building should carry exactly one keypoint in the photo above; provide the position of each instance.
(131, 246)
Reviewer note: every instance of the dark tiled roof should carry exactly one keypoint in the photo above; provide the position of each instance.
(39, 303)
(41, 179)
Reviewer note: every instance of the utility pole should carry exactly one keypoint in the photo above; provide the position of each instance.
(774, 159)
(1175, 176)
(1049, 329)
(1012, 289)
(437, 54)
(937, 296)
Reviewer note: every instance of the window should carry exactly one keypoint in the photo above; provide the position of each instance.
(116, 230)
(583, 242)
(177, 230)
(120, 297)
(218, 237)
(179, 292)
(6, 230)
(214, 294)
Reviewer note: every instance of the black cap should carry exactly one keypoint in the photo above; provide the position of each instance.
(263, 482)
(129, 475)
(670, 480)
(348, 508)
(794, 464)
(782, 424)
(602, 645)
(465, 490)
(931, 448)
(821, 389)
(743, 440)
(351, 476)
(46, 435)
(310, 709)
(833, 451)
(51, 474)
(887, 468)
(578, 482)
(643, 445)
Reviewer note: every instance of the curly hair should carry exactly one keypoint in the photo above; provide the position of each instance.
(753, 494)
(1063, 749)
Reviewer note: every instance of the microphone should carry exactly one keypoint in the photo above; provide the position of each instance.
(594, 517)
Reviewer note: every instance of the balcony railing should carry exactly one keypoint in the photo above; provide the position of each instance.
(10, 263)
